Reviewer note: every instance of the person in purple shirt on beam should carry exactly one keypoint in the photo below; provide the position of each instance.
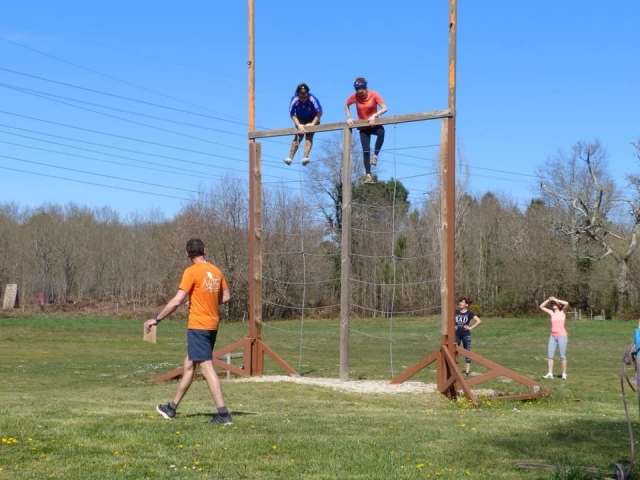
(305, 111)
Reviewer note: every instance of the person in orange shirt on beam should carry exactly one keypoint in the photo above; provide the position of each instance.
(367, 103)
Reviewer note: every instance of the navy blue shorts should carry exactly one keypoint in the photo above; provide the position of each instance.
(200, 344)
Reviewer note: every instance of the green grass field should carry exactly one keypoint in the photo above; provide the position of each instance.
(76, 402)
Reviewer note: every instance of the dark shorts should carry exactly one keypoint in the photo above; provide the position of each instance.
(200, 344)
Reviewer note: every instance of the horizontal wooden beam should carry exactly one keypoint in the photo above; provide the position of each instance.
(386, 120)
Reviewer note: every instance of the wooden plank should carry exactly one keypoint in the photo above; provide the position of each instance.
(176, 372)
(411, 371)
(499, 369)
(482, 378)
(327, 127)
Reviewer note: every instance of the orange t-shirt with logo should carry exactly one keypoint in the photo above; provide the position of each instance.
(367, 106)
(204, 282)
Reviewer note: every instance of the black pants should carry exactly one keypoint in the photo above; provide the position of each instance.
(365, 140)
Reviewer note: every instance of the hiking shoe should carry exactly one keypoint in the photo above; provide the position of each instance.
(368, 179)
(288, 160)
(305, 161)
(166, 411)
(374, 160)
(548, 376)
(564, 376)
(221, 419)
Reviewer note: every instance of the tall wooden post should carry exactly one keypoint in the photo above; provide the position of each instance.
(255, 258)
(252, 70)
(254, 201)
(448, 376)
(345, 258)
(448, 206)
(253, 173)
(254, 347)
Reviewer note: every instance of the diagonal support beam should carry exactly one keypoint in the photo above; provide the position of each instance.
(453, 381)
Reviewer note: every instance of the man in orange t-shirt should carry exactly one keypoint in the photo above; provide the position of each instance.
(205, 288)
(367, 103)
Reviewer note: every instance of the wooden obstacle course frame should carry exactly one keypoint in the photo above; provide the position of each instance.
(449, 379)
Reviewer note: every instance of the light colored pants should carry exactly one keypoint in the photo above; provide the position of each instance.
(560, 343)
(308, 143)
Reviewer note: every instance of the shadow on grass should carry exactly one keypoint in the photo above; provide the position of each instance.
(210, 414)
(578, 444)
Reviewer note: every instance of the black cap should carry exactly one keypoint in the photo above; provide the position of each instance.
(302, 88)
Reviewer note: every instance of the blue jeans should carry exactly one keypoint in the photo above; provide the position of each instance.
(365, 140)
(465, 339)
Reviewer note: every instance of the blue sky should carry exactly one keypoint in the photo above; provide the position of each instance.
(533, 77)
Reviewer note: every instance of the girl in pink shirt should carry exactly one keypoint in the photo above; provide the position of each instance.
(558, 338)
(369, 106)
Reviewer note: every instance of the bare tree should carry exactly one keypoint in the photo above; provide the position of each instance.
(10, 248)
(40, 250)
(326, 177)
(220, 217)
(580, 184)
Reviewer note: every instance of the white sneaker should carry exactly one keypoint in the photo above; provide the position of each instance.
(305, 161)
(288, 161)
(564, 376)
(368, 179)
(548, 376)
(374, 160)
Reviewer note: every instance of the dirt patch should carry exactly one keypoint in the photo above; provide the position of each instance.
(356, 386)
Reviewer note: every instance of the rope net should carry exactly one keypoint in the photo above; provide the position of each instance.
(395, 260)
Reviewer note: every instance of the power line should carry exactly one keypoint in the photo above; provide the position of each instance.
(395, 149)
(122, 110)
(238, 122)
(419, 175)
(191, 162)
(110, 77)
(98, 152)
(176, 159)
(31, 92)
(503, 171)
(112, 177)
(94, 184)
(121, 97)
(180, 173)
(508, 173)
(129, 120)
(115, 135)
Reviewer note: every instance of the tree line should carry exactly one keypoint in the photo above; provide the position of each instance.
(575, 239)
